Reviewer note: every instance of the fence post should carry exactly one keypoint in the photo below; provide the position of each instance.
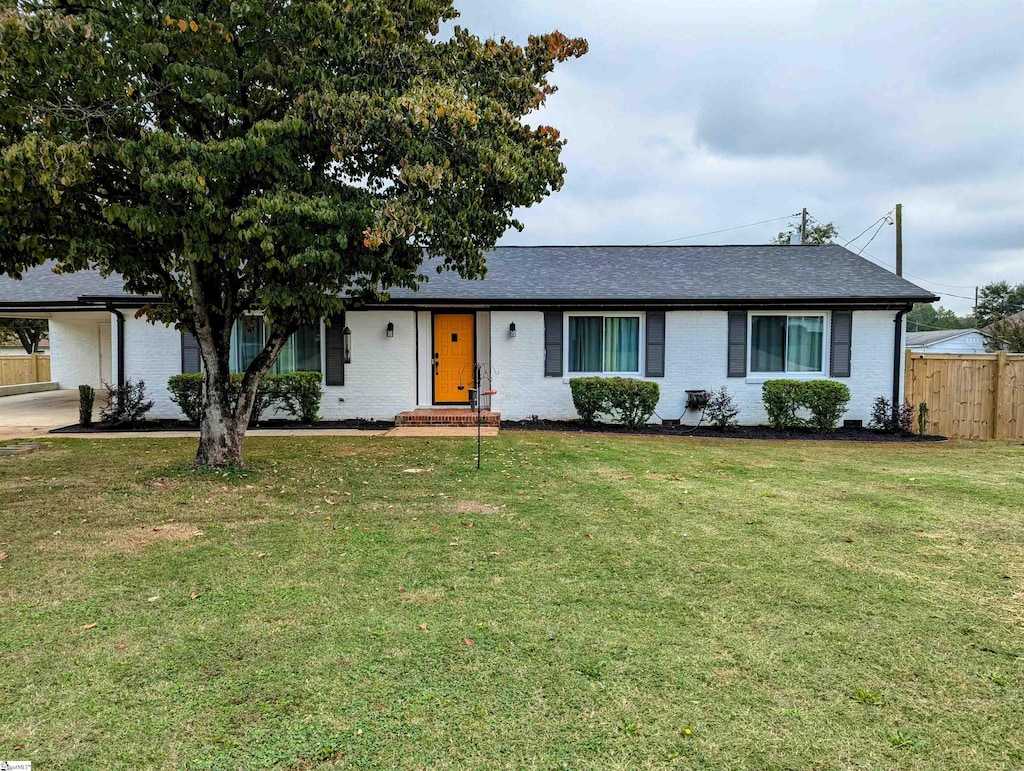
(998, 392)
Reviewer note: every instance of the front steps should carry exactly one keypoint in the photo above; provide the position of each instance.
(447, 416)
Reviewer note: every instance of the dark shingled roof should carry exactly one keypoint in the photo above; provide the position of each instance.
(646, 274)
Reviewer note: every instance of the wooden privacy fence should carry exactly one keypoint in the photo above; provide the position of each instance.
(19, 370)
(971, 396)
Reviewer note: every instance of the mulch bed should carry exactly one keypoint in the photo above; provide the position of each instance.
(739, 432)
(150, 426)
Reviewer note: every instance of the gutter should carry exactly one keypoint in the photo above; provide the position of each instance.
(897, 359)
(120, 343)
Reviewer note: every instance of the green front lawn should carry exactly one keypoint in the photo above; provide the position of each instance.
(585, 601)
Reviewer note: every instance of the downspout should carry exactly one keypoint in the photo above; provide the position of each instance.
(120, 343)
(897, 359)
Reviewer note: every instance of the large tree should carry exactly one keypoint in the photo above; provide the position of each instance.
(997, 301)
(267, 155)
(817, 234)
(926, 317)
(28, 332)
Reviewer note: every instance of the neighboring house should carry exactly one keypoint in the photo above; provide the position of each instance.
(686, 317)
(948, 341)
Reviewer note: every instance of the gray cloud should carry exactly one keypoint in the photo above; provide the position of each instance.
(692, 117)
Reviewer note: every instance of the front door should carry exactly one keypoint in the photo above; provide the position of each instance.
(453, 357)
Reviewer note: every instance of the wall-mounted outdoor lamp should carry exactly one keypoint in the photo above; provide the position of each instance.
(390, 331)
(512, 329)
(346, 339)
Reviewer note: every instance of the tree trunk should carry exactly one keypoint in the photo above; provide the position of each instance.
(220, 431)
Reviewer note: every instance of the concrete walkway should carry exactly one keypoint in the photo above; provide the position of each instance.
(26, 416)
(29, 416)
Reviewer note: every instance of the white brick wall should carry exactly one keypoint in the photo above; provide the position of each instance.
(695, 358)
(75, 348)
(152, 352)
(381, 380)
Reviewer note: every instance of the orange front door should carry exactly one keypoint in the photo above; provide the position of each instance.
(453, 357)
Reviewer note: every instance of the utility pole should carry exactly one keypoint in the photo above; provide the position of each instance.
(803, 226)
(899, 239)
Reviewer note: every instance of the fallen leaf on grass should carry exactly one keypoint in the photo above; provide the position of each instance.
(3, 555)
(19, 746)
(261, 555)
(153, 599)
(415, 470)
(423, 627)
(469, 641)
(588, 535)
(401, 588)
(89, 626)
(193, 595)
(120, 647)
(848, 539)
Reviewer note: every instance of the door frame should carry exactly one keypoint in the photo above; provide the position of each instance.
(433, 350)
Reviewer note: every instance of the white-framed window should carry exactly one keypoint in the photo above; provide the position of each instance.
(787, 343)
(603, 343)
(300, 354)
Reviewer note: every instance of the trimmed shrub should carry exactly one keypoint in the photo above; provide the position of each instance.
(86, 397)
(827, 400)
(781, 400)
(890, 418)
(187, 393)
(299, 394)
(127, 404)
(589, 397)
(633, 400)
(721, 411)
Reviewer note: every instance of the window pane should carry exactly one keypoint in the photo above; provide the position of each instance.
(247, 342)
(585, 343)
(306, 344)
(622, 344)
(767, 344)
(286, 360)
(806, 336)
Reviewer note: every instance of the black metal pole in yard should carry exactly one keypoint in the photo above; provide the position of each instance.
(477, 380)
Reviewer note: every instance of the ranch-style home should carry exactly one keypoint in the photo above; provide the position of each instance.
(688, 317)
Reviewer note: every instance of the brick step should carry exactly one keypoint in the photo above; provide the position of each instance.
(447, 417)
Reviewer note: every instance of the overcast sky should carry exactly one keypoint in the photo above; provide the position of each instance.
(688, 117)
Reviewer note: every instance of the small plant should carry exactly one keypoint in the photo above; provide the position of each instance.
(299, 394)
(589, 397)
(866, 696)
(722, 411)
(633, 400)
(922, 418)
(892, 419)
(86, 397)
(127, 403)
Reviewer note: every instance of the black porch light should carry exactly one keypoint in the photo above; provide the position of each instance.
(390, 331)
(346, 338)
(512, 329)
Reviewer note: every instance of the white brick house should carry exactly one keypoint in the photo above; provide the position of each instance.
(689, 318)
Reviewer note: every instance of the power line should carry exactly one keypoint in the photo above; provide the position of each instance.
(723, 230)
(865, 253)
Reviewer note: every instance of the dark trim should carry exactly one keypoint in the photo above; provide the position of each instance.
(897, 358)
(824, 304)
(433, 376)
(120, 344)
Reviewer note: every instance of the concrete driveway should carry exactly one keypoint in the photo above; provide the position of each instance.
(28, 415)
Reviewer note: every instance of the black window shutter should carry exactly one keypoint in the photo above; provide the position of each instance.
(655, 360)
(190, 358)
(842, 336)
(552, 344)
(737, 344)
(334, 367)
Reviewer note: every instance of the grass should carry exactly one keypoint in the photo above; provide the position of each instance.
(586, 601)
